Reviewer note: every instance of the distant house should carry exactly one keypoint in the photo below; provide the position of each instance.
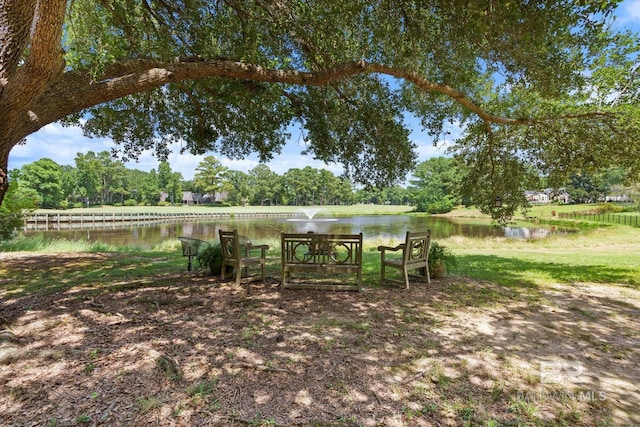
(190, 198)
(536, 197)
(563, 197)
(547, 195)
(623, 198)
(207, 198)
(559, 195)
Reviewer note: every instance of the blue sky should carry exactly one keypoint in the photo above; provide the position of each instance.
(61, 144)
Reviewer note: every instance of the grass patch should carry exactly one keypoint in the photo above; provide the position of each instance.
(610, 256)
(324, 324)
(41, 243)
(100, 272)
(203, 393)
(150, 403)
(606, 256)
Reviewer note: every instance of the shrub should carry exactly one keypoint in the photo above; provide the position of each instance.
(440, 259)
(606, 208)
(10, 224)
(211, 256)
(12, 212)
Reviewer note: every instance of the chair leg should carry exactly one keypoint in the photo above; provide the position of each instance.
(405, 274)
(238, 275)
(382, 273)
(424, 272)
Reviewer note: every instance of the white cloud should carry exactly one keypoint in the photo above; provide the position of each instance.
(425, 143)
(427, 150)
(243, 165)
(628, 14)
(61, 144)
(55, 142)
(292, 159)
(184, 163)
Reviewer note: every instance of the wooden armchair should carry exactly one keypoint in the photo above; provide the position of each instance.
(415, 256)
(237, 253)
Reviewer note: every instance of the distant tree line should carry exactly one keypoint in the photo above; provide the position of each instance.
(98, 179)
(435, 185)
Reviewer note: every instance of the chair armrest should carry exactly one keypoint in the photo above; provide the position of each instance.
(262, 248)
(389, 248)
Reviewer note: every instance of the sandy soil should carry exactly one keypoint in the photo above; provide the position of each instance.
(189, 350)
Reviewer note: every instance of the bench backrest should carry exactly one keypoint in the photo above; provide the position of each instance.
(329, 249)
(417, 247)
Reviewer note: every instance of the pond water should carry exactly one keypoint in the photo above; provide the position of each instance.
(383, 227)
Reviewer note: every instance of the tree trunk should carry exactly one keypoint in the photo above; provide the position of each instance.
(4, 177)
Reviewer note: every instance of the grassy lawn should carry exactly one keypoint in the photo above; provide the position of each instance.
(604, 255)
(537, 211)
(610, 254)
(129, 338)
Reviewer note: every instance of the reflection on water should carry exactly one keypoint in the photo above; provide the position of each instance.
(310, 221)
(386, 227)
(383, 227)
(528, 233)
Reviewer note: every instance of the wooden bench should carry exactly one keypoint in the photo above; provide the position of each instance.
(321, 253)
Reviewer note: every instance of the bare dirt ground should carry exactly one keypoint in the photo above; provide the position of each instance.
(189, 350)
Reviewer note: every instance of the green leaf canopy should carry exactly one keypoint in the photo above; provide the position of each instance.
(526, 80)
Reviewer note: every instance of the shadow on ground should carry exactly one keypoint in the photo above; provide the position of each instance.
(174, 348)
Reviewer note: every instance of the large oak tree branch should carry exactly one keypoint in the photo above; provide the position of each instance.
(15, 24)
(16, 20)
(75, 91)
(45, 51)
(37, 89)
(42, 64)
(44, 61)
